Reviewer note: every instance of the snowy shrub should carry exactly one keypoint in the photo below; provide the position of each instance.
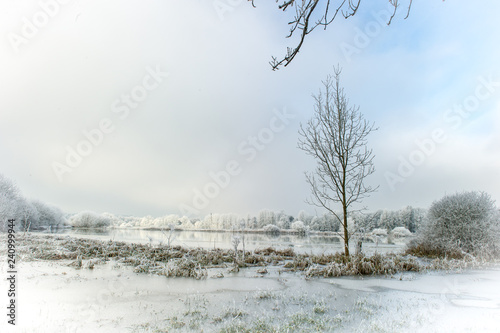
(465, 222)
(299, 227)
(272, 229)
(89, 220)
(379, 232)
(183, 267)
(340, 265)
(401, 232)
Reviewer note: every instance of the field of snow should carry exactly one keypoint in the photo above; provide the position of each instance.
(54, 297)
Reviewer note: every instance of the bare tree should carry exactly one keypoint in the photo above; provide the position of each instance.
(29, 214)
(336, 137)
(11, 202)
(310, 14)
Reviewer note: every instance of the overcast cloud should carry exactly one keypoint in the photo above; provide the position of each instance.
(185, 101)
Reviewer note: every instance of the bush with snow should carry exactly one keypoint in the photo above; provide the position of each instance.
(272, 229)
(299, 226)
(89, 220)
(466, 222)
(401, 232)
(379, 232)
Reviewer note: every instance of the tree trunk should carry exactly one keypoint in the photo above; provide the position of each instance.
(346, 233)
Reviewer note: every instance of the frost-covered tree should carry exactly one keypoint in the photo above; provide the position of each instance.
(266, 217)
(315, 223)
(304, 217)
(253, 223)
(248, 222)
(331, 223)
(29, 214)
(49, 215)
(285, 221)
(11, 201)
(231, 221)
(389, 220)
(374, 219)
(336, 137)
(408, 217)
(186, 223)
(218, 222)
(325, 222)
(411, 218)
(467, 221)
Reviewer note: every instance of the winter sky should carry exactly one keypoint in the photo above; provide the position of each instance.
(161, 97)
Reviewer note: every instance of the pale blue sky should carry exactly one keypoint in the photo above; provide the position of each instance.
(220, 90)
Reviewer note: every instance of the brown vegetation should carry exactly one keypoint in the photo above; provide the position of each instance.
(176, 261)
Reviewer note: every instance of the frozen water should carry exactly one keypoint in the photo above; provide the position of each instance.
(57, 298)
(310, 244)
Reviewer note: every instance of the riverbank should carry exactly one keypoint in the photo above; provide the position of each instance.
(199, 263)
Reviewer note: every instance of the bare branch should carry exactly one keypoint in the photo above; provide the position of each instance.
(336, 137)
(395, 4)
(301, 21)
(352, 9)
(409, 8)
(310, 13)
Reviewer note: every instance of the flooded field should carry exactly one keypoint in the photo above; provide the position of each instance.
(118, 288)
(301, 244)
(111, 298)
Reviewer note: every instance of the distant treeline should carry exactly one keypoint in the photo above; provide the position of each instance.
(34, 214)
(409, 218)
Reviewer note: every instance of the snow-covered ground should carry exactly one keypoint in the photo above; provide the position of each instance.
(54, 297)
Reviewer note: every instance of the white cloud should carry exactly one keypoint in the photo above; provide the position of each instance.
(221, 90)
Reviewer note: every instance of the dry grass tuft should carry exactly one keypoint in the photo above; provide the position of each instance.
(184, 262)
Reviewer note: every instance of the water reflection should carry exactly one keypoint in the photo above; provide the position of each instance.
(204, 239)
